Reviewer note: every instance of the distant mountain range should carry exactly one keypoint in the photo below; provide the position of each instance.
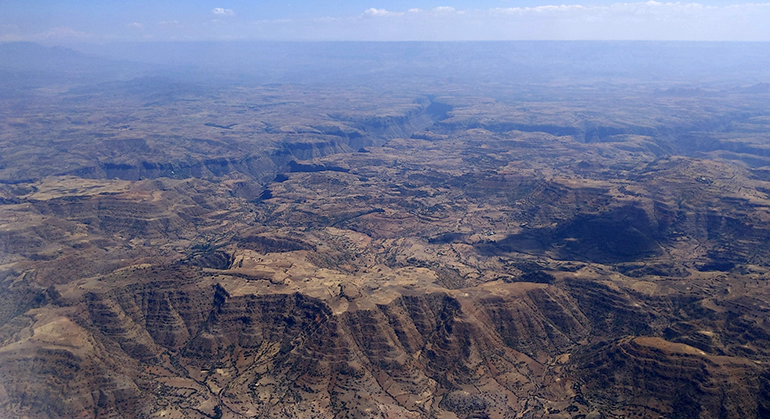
(29, 65)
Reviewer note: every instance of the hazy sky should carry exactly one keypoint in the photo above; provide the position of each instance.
(68, 21)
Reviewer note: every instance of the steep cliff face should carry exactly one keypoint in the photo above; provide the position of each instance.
(59, 369)
(259, 166)
(421, 115)
(189, 346)
(281, 147)
(686, 381)
(543, 323)
(269, 354)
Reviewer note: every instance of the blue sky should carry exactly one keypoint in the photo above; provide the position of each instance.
(66, 22)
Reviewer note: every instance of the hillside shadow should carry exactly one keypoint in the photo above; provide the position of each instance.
(620, 235)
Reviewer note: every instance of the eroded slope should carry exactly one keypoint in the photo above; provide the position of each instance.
(472, 270)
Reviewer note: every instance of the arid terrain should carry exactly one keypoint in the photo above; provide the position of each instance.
(181, 249)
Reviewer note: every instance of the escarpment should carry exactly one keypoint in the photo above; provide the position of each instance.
(286, 251)
(420, 354)
(686, 381)
(259, 146)
(462, 351)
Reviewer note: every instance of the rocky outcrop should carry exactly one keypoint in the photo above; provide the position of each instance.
(421, 116)
(544, 323)
(288, 352)
(660, 378)
(258, 166)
